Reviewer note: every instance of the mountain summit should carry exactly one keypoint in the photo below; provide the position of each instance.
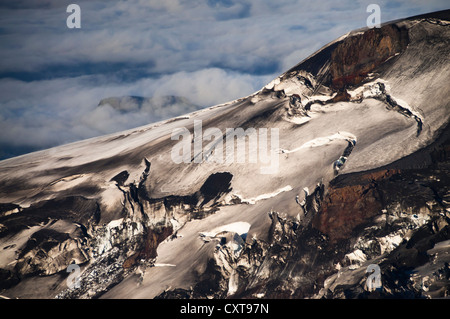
(337, 168)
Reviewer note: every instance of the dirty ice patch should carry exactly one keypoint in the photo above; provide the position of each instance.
(320, 141)
(254, 200)
(240, 228)
(164, 265)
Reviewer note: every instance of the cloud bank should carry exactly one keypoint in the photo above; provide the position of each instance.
(208, 51)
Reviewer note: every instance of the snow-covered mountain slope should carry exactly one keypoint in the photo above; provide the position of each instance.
(346, 164)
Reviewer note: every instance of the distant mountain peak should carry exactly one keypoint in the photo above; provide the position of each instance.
(149, 104)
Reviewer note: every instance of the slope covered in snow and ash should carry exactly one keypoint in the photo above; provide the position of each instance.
(358, 138)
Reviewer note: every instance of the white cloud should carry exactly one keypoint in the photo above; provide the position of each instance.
(59, 111)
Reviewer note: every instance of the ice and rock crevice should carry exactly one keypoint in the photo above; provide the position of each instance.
(322, 141)
(440, 22)
(230, 240)
(301, 88)
(339, 163)
(134, 238)
(311, 203)
(379, 90)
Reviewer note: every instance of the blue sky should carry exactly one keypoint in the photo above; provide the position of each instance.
(209, 51)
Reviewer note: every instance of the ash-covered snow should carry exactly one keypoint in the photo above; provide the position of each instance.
(417, 80)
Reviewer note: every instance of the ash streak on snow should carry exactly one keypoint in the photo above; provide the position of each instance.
(321, 141)
(229, 200)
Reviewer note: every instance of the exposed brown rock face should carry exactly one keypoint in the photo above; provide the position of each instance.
(346, 207)
(356, 56)
(342, 95)
(152, 240)
(353, 58)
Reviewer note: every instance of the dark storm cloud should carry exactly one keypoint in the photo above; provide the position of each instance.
(209, 51)
(120, 71)
(26, 4)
